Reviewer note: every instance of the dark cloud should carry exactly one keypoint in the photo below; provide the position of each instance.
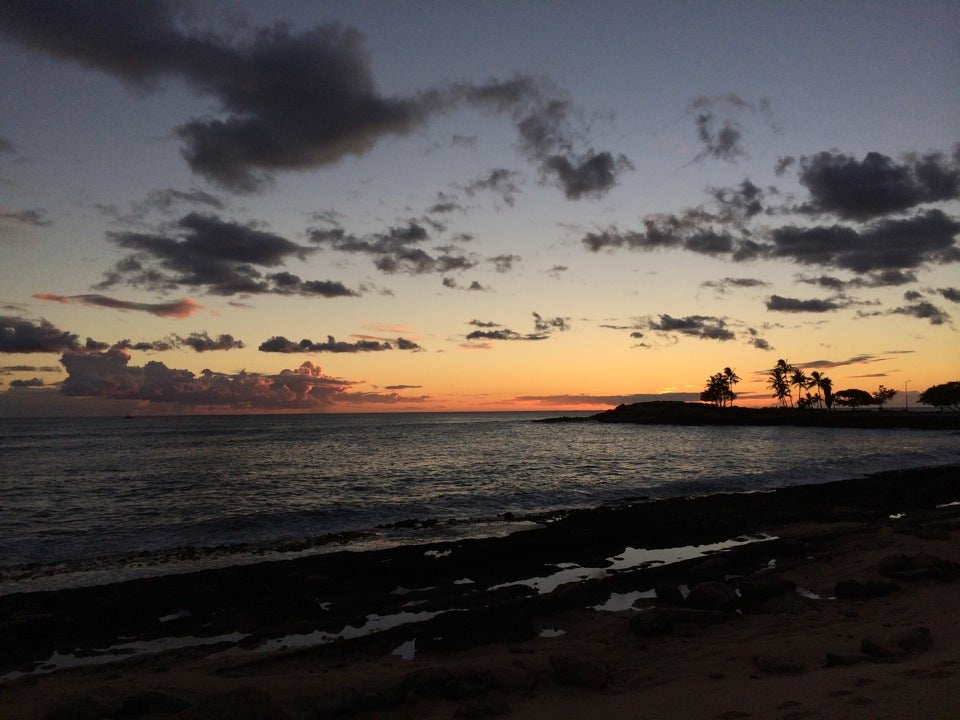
(287, 100)
(202, 342)
(924, 311)
(758, 342)
(215, 255)
(403, 387)
(176, 309)
(500, 182)
(718, 123)
(504, 263)
(109, 374)
(855, 360)
(144, 346)
(395, 250)
(883, 278)
(8, 369)
(542, 329)
(885, 245)
(445, 205)
(912, 295)
(280, 344)
(32, 382)
(877, 185)
(782, 164)
(739, 204)
(22, 336)
(704, 327)
(166, 199)
(726, 283)
(6, 147)
(795, 305)
(36, 217)
(951, 294)
(557, 270)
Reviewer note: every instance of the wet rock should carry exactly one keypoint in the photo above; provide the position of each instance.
(661, 620)
(845, 659)
(713, 595)
(880, 649)
(779, 663)
(668, 594)
(856, 590)
(919, 567)
(149, 702)
(714, 568)
(914, 640)
(578, 672)
(755, 590)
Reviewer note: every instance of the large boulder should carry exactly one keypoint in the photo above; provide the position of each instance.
(713, 595)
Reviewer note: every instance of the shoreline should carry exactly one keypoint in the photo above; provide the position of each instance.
(669, 412)
(468, 597)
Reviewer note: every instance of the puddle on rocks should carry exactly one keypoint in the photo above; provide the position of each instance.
(629, 559)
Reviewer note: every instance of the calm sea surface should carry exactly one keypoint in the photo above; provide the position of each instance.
(94, 499)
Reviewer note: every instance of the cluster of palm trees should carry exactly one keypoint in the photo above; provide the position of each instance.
(784, 377)
(719, 388)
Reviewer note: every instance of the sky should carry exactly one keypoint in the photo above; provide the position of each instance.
(220, 207)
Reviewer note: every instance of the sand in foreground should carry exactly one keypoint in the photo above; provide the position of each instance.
(889, 647)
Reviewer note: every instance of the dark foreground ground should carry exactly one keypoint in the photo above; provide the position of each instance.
(855, 592)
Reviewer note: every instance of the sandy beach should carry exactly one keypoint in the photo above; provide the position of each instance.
(829, 601)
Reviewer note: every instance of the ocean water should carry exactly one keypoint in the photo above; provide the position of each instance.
(97, 499)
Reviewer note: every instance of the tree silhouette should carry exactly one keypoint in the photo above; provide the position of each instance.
(827, 385)
(882, 395)
(820, 382)
(946, 395)
(799, 380)
(778, 382)
(852, 398)
(719, 389)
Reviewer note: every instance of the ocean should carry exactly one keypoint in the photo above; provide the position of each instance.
(91, 500)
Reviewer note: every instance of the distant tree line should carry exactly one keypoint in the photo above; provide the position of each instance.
(783, 377)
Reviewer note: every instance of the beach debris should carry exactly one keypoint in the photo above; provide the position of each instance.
(577, 672)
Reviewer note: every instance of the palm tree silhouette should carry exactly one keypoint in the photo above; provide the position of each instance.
(800, 380)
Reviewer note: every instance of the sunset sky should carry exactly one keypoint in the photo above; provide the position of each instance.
(382, 206)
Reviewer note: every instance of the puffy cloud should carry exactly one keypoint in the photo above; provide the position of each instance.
(950, 293)
(22, 336)
(795, 305)
(877, 185)
(924, 311)
(704, 327)
(718, 123)
(178, 309)
(724, 284)
(279, 344)
(394, 250)
(216, 255)
(285, 100)
(202, 342)
(504, 263)
(32, 382)
(883, 278)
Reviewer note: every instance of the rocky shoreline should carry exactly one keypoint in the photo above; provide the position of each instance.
(684, 413)
(530, 599)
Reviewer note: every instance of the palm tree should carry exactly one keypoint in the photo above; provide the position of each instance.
(783, 369)
(800, 380)
(778, 383)
(827, 385)
(732, 379)
(816, 380)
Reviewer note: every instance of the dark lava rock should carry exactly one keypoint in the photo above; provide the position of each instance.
(713, 595)
(81, 707)
(662, 620)
(490, 705)
(914, 640)
(244, 703)
(339, 703)
(714, 568)
(919, 567)
(846, 659)
(855, 590)
(755, 590)
(880, 649)
(668, 594)
(577, 672)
